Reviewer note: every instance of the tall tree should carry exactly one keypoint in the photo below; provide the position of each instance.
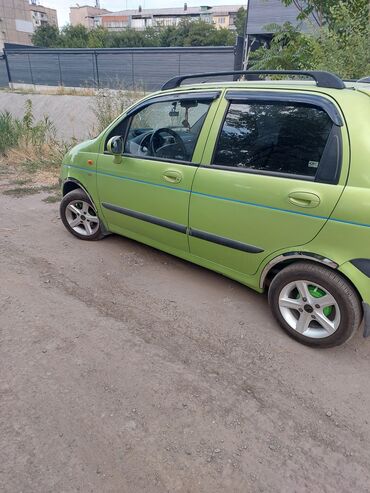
(75, 36)
(46, 36)
(321, 10)
(240, 21)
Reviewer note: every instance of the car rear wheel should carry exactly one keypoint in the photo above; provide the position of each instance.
(315, 304)
(79, 216)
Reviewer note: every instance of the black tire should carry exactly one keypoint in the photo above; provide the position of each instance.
(347, 299)
(73, 197)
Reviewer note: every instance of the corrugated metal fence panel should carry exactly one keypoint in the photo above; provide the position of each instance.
(262, 13)
(151, 70)
(45, 69)
(122, 67)
(19, 67)
(206, 62)
(115, 70)
(3, 73)
(78, 69)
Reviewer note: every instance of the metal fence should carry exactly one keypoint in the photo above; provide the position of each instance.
(3, 73)
(147, 68)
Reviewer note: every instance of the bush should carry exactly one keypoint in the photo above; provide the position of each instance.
(341, 46)
(34, 144)
(186, 33)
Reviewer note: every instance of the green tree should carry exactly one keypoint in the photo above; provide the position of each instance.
(195, 33)
(97, 38)
(75, 36)
(321, 10)
(240, 21)
(187, 33)
(342, 46)
(46, 36)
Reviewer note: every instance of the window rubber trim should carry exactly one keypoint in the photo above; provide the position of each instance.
(201, 96)
(273, 97)
(335, 166)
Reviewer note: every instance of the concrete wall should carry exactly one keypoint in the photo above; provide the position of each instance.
(72, 115)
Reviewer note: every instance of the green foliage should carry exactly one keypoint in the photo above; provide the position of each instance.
(46, 36)
(74, 36)
(26, 141)
(187, 33)
(322, 10)
(14, 130)
(10, 131)
(342, 46)
(240, 21)
(195, 33)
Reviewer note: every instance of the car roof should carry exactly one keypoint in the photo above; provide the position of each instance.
(270, 84)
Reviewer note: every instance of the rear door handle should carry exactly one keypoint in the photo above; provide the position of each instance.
(172, 176)
(304, 199)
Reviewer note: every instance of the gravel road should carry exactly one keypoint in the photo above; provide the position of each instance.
(126, 370)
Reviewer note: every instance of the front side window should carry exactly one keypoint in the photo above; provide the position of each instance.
(166, 130)
(273, 137)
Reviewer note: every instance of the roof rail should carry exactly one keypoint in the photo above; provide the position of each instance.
(323, 79)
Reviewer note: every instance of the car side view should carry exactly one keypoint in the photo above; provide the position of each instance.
(264, 181)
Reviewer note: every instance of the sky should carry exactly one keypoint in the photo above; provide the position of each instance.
(62, 6)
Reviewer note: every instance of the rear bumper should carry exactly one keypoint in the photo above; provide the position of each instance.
(366, 309)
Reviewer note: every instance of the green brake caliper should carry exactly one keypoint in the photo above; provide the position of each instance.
(316, 292)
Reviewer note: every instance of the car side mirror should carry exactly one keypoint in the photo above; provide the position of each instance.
(115, 147)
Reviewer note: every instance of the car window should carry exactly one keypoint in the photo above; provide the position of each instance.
(273, 137)
(166, 130)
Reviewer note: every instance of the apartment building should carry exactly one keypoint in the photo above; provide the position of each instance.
(19, 19)
(41, 15)
(85, 15)
(140, 19)
(15, 22)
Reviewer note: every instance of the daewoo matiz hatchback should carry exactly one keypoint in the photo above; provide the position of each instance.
(266, 182)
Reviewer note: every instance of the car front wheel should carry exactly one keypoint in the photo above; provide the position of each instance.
(314, 304)
(79, 216)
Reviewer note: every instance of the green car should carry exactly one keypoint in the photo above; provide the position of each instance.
(264, 181)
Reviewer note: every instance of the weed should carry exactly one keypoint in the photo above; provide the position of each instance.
(52, 199)
(108, 104)
(30, 190)
(21, 191)
(30, 143)
(20, 181)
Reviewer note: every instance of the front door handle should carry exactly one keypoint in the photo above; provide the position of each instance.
(304, 199)
(172, 176)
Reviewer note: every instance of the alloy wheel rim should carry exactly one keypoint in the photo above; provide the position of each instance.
(82, 218)
(309, 309)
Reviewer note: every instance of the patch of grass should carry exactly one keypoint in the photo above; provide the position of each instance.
(52, 199)
(49, 188)
(30, 143)
(20, 181)
(21, 191)
(30, 190)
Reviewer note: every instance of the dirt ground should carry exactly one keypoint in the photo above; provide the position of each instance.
(126, 370)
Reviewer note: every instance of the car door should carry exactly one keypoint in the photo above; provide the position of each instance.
(145, 193)
(274, 169)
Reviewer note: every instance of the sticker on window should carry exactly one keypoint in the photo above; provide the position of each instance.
(313, 164)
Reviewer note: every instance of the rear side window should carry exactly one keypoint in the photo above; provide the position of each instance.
(274, 137)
